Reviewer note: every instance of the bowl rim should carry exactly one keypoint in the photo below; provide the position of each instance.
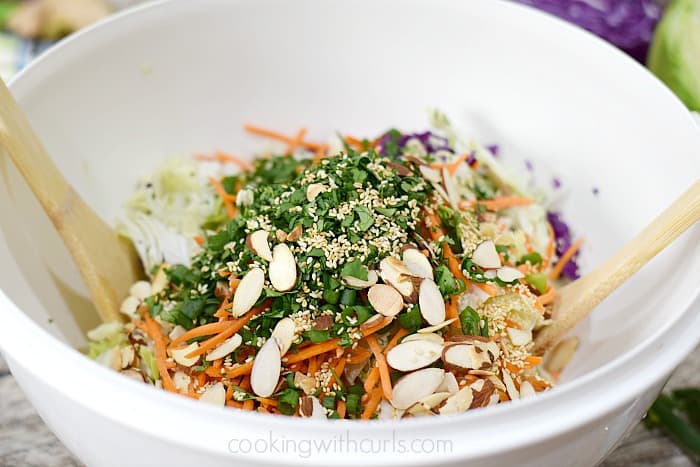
(541, 402)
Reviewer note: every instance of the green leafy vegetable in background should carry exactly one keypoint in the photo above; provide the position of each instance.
(678, 415)
(675, 52)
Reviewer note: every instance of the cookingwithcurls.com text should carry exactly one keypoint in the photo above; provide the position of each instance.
(344, 443)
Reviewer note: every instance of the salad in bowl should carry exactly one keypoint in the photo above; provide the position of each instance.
(396, 276)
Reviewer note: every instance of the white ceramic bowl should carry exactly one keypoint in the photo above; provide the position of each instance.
(183, 76)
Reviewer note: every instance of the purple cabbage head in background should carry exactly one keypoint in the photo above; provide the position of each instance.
(628, 24)
(562, 240)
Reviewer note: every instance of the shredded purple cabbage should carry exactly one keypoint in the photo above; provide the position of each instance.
(432, 142)
(562, 240)
(629, 24)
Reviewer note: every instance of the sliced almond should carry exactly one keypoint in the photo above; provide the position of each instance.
(388, 412)
(430, 174)
(417, 263)
(313, 190)
(437, 327)
(355, 283)
(281, 235)
(481, 391)
(160, 280)
(459, 402)
(284, 333)
(295, 234)
(176, 332)
(141, 290)
(258, 244)
(248, 292)
(448, 181)
(181, 381)
(486, 256)
(385, 299)
(510, 386)
(508, 274)
(127, 354)
(412, 387)
(376, 320)
(111, 358)
(526, 390)
(129, 306)
(225, 348)
(430, 336)
(449, 384)
(474, 356)
(432, 305)
(266, 370)
(412, 355)
(180, 355)
(418, 410)
(283, 268)
(556, 359)
(105, 331)
(395, 273)
(306, 406)
(518, 336)
(311, 407)
(134, 374)
(214, 394)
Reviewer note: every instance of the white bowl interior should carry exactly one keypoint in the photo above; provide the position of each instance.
(172, 81)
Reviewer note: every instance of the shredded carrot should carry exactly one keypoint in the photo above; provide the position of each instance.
(340, 366)
(280, 137)
(395, 340)
(356, 143)
(214, 372)
(267, 402)
(488, 288)
(199, 240)
(372, 404)
(248, 404)
(318, 155)
(341, 409)
(224, 158)
(372, 378)
(202, 379)
(229, 392)
(225, 197)
(200, 331)
(381, 324)
(313, 366)
(498, 203)
(241, 370)
(565, 258)
(312, 351)
(451, 312)
(532, 361)
(547, 297)
(296, 142)
(383, 367)
(513, 368)
(159, 340)
(233, 328)
(358, 355)
(234, 404)
(454, 165)
(222, 313)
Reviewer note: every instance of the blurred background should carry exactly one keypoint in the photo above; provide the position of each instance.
(663, 35)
